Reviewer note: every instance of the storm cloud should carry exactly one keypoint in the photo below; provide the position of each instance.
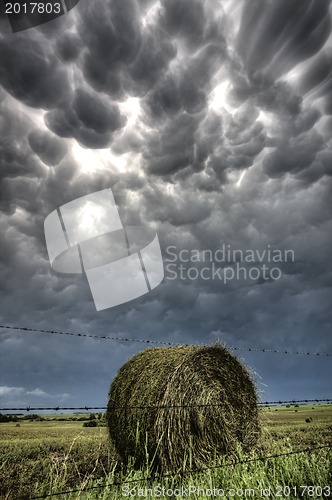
(211, 123)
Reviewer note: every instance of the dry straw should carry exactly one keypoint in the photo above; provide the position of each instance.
(172, 436)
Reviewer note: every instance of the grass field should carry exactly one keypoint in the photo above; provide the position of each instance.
(51, 456)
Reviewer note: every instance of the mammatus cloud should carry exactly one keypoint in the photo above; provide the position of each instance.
(87, 118)
(48, 147)
(211, 123)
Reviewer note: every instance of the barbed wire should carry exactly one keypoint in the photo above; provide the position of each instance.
(157, 342)
(186, 472)
(292, 401)
(87, 335)
(160, 407)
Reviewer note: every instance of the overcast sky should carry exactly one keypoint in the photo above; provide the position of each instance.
(211, 121)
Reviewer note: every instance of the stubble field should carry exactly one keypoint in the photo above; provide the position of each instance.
(40, 458)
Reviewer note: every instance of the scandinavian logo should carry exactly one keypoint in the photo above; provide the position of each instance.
(87, 236)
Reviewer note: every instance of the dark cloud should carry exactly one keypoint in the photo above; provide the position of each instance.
(17, 161)
(165, 99)
(227, 142)
(88, 118)
(280, 98)
(295, 155)
(49, 148)
(156, 51)
(112, 37)
(194, 23)
(184, 19)
(319, 73)
(318, 78)
(196, 78)
(275, 36)
(69, 47)
(172, 147)
(30, 73)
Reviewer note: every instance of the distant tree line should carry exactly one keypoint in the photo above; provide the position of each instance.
(17, 417)
(89, 419)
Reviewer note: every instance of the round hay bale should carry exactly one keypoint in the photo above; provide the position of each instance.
(175, 381)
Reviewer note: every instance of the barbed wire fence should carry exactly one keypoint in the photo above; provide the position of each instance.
(157, 342)
(87, 408)
(183, 473)
(161, 407)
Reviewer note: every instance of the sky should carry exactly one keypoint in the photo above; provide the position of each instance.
(211, 122)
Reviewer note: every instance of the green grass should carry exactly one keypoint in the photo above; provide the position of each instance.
(38, 458)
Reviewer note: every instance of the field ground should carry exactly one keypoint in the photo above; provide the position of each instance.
(51, 456)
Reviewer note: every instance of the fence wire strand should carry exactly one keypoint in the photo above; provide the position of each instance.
(158, 342)
(184, 473)
(160, 407)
